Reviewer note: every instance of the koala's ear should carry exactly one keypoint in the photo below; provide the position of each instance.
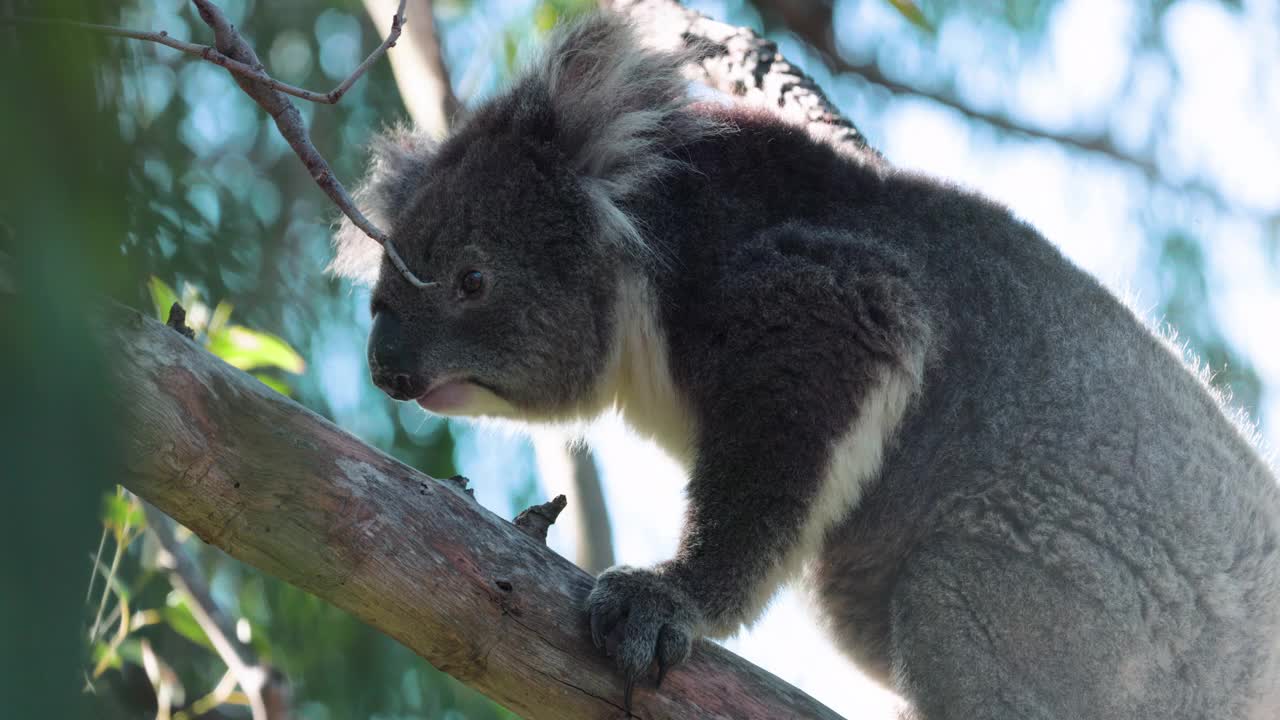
(617, 104)
(397, 169)
(619, 109)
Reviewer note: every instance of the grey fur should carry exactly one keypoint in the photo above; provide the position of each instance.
(1013, 499)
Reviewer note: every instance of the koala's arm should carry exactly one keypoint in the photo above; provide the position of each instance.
(796, 372)
(750, 497)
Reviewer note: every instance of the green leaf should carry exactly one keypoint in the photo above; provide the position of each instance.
(162, 297)
(909, 10)
(510, 49)
(549, 13)
(121, 512)
(130, 650)
(247, 349)
(105, 655)
(179, 617)
(545, 16)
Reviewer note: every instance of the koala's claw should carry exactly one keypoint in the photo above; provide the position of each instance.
(600, 627)
(662, 673)
(673, 647)
(639, 617)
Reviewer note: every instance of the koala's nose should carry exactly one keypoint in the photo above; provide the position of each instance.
(392, 363)
(399, 385)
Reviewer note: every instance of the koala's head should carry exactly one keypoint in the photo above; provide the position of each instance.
(520, 218)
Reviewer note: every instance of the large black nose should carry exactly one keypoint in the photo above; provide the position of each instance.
(400, 386)
(392, 363)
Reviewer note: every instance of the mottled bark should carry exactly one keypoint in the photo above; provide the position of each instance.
(738, 61)
(284, 490)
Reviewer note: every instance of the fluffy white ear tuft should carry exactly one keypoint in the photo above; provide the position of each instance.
(621, 111)
(397, 168)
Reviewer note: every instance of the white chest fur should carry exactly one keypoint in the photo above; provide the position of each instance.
(638, 383)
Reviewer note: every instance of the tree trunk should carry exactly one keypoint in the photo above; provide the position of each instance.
(569, 469)
(418, 64)
(284, 490)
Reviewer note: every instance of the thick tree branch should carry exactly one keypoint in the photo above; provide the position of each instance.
(284, 490)
(739, 62)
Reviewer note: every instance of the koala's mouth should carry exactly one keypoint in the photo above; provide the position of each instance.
(446, 395)
(451, 394)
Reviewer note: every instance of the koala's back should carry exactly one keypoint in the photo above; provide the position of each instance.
(1067, 525)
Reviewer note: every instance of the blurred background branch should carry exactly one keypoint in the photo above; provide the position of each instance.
(418, 64)
(266, 690)
(568, 468)
(211, 54)
(813, 22)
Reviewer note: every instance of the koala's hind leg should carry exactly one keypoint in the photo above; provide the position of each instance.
(981, 633)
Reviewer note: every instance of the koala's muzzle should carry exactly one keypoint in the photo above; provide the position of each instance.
(392, 362)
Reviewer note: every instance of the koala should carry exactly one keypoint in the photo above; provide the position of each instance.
(1010, 498)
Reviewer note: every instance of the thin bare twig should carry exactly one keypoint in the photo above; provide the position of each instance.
(211, 54)
(188, 580)
(231, 51)
(220, 694)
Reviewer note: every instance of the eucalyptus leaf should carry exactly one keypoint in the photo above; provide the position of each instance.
(249, 349)
(105, 656)
(912, 12)
(178, 616)
(218, 320)
(162, 297)
(121, 512)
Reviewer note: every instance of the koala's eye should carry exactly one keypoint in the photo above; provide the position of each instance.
(471, 282)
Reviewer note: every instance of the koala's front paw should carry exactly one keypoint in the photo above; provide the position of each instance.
(640, 617)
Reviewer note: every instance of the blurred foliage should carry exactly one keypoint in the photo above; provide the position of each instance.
(140, 171)
(912, 12)
(253, 351)
(344, 670)
(146, 644)
(61, 220)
